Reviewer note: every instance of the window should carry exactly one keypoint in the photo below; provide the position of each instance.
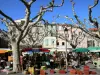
(54, 27)
(46, 42)
(90, 43)
(60, 28)
(57, 43)
(52, 41)
(63, 43)
(51, 32)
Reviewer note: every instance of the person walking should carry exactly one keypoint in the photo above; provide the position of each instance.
(74, 63)
(52, 63)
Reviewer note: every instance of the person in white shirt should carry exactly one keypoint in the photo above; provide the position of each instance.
(74, 63)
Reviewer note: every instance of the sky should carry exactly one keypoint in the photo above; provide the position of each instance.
(16, 10)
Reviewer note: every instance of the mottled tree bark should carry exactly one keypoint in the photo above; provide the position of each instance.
(16, 57)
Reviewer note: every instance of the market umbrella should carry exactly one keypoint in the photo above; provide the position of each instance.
(81, 50)
(94, 49)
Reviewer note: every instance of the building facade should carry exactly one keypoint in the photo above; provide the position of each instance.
(59, 44)
(92, 41)
(48, 36)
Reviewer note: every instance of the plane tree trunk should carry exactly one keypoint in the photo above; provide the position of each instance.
(16, 57)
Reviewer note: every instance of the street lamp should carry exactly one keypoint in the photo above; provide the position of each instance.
(66, 36)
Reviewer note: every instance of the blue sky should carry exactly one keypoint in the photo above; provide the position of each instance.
(16, 10)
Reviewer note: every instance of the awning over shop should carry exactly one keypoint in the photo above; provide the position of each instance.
(94, 49)
(35, 50)
(3, 51)
(8, 50)
(81, 50)
(30, 50)
(44, 50)
(27, 49)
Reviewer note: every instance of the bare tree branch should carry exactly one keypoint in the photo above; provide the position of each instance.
(34, 18)
(80, 38)
(75, 15)
(70, 19)
(24, 2)
(90, 14)
(52, 5)
(5, 21)
(59, 5)
(26, 25)
(38, 17)
(28, 3)
(10, 35)
(47, 8)
(96, 24)
(27, 15)
(3, 14)
(32, 1)
(41, 13)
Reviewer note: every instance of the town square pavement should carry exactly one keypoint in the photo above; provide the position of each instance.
(92, 68)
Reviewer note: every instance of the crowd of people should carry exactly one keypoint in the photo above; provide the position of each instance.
(55, 60)
(37, 60)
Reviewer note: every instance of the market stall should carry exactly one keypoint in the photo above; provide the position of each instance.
(94, 49)
(5, 53)
(96, 58)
